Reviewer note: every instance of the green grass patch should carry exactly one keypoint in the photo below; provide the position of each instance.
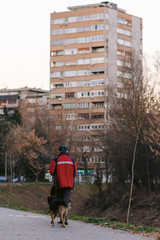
(115, 224)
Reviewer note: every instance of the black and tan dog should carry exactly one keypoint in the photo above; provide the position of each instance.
(57, 206)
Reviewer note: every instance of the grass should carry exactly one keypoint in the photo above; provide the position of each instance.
(115, 224)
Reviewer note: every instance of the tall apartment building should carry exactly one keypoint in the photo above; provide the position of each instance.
(88, 45)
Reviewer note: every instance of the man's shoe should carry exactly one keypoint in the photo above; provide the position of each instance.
(66, 223)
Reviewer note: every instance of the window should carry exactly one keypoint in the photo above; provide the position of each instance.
(80, 18)
(97, 115)
(128, 44)
(83, 72)
(97, 71)
(56, 85)
(83, 39)
(120, 63)
(83, 127)
(97, 60)
(98, 27)
(83, 94)
(83, 61)
(84, 105)
(123, 42)
(84, 29)
(57, 53)
(57, 64)
(84, 18)
(129, 23)
(55, 74)
(124, 74)
(97, 82)
(98, 49)
(97, 126)
(70, 73)
(70, 105)
(120, 30)
(69, 95)
(70, 51)
(96, 138)
(121, 20)
(124, 32)
(120, 41)
(70, 30)
(83, 50)
(57, 21)
(98, 16)
(97, 38)
(57, 42)
(83, 83)
(70, 63)
(70, 84)
(128, 64)
(57, 106)
(83, 116)
(128, 33)
(97, 93)
(86, 138)
(57, 31)
(71, 116)
(98, 104)
(70, 41)
(58, 96)
(72, 19)
(52, 64)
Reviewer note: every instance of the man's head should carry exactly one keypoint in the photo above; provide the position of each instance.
(63, 148)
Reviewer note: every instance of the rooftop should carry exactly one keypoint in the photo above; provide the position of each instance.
(96, 5)
(6, 90)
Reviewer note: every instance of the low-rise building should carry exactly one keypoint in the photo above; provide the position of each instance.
(11, 98)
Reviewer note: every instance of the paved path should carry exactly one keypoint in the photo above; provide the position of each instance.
(20, 225)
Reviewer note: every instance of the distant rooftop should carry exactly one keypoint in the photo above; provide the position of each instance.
(95, 5)
(24, 89)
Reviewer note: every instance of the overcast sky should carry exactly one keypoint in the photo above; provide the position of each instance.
(25, 34)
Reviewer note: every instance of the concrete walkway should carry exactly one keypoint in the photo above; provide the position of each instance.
(20, 225)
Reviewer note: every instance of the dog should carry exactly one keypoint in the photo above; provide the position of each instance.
(57, 206)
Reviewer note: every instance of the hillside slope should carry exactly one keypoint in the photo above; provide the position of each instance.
(86, 201)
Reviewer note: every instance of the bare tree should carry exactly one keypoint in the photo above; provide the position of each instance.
(128, 116)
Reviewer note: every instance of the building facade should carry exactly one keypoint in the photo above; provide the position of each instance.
(88, 45)
(11, 98)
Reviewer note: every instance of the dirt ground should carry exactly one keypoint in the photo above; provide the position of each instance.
(87, 201)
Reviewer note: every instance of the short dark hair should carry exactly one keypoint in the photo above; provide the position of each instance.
(63, 148)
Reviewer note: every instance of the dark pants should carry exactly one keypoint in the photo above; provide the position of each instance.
(65, 194)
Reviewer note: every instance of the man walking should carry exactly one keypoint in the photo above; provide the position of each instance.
(64, 170)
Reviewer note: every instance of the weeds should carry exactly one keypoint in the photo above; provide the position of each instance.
(115, 224)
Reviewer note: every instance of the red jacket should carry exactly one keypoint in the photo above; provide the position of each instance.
(65, 170)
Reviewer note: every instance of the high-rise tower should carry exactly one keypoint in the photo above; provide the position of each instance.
(88, 45)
